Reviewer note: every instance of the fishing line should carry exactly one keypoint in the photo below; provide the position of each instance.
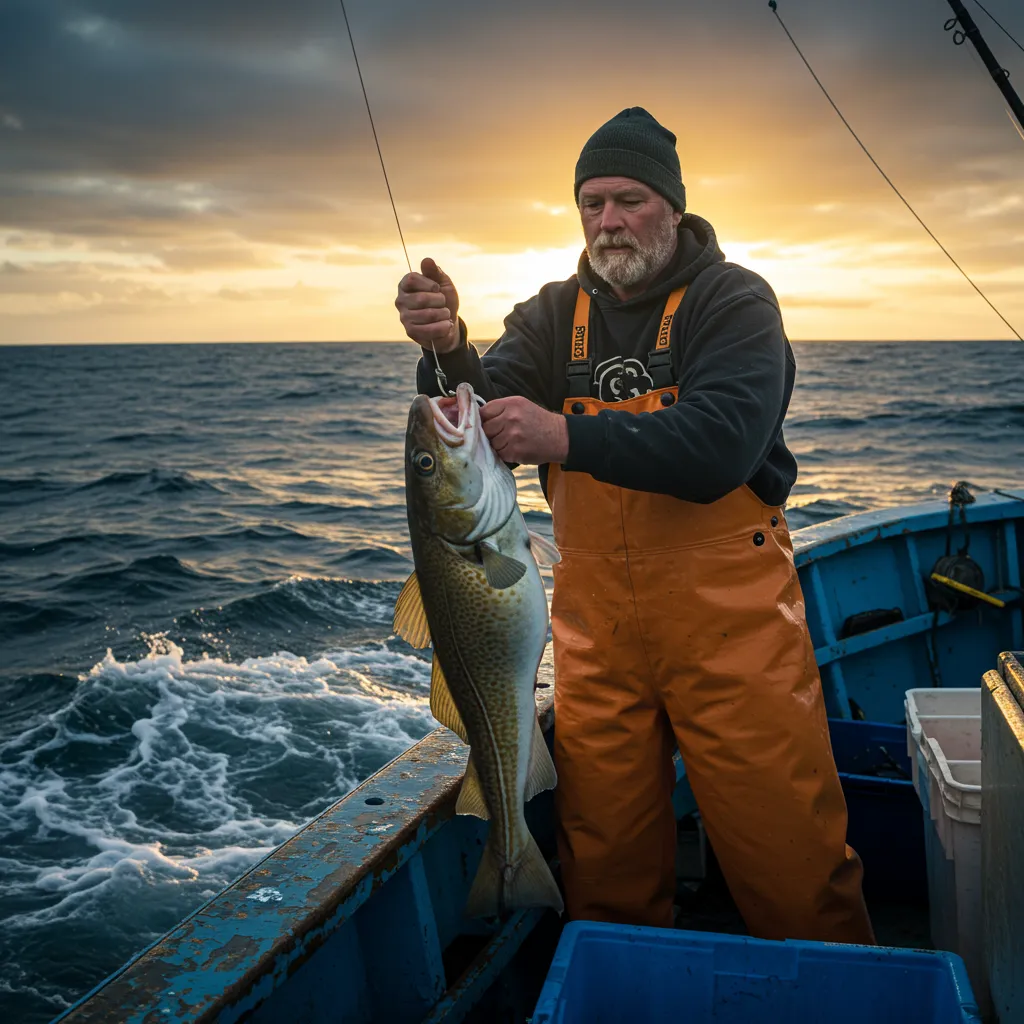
(774, 7)
(442, 380)
(999, 26)
(376, 141)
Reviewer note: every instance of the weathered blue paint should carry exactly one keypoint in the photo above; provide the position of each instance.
(1002, 834)
(887, 634)
(231, 955)
(354, 918)
(834, 685)
(880, 560)
(815, 543)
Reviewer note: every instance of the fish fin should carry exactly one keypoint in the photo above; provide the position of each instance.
(541, 775)
(410, 622)
(442, 704)
(500, 888)
(501, 571)
(471, 796)
(544, 550)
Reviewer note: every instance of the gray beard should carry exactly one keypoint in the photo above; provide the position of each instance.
(643, 261)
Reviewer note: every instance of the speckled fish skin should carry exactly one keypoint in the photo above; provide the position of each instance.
(488, 641)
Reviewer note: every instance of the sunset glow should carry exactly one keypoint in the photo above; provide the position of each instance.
(182, 176)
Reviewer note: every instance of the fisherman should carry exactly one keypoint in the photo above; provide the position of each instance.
(650, 389)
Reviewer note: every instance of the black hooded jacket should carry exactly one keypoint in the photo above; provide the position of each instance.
(730, 356)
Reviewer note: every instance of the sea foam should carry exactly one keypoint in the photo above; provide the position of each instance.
(177, 774)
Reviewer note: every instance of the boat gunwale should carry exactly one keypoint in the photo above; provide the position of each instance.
(418, 814)
(423, 802)
(821, 540)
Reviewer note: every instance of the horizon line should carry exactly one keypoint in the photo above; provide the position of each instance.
(478, 341)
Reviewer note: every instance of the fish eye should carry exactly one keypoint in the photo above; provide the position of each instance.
(424, 463)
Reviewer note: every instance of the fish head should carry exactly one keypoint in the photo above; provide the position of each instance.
(456, 487)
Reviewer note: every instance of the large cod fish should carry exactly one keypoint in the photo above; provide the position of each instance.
(476, 593)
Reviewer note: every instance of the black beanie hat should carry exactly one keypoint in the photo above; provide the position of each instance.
(632, 144)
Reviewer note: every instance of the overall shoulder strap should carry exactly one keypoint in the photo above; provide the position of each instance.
(579, 366)
(659, 360)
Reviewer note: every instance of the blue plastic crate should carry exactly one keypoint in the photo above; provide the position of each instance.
(620, 974)
(884, 809)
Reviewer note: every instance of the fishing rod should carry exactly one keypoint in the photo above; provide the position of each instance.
(773, 4)
(969, 30)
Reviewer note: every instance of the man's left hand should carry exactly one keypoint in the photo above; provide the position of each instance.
(522, 432)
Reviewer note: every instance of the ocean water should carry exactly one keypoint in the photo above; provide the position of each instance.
(200, 548)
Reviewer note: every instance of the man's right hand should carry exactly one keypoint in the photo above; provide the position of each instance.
(428, 306)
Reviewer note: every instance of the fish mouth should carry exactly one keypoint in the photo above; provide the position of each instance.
(456, 420)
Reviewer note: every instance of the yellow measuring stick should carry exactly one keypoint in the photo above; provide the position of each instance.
(964, 589)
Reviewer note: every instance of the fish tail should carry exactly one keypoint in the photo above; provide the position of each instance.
(501, 888)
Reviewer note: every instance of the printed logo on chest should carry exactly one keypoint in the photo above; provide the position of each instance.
(618, 379)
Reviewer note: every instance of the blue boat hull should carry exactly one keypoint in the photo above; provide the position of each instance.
(879, 561)
(358, 917)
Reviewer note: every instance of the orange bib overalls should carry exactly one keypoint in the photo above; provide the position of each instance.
(680, 623)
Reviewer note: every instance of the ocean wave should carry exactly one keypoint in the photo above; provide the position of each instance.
(10, 485)
(376, 557)
(304, 605)
(325, 508)
(147, 439)
(35, 549)
(259, 532)
(24, 618)
(152, 481)
(152, 576)
(300, 394)
(17, 492)
(1001, 414)
(169, 771)
(819, 511)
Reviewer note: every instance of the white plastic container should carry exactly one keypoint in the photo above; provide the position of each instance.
(951, 715)
(944, 744)
(953, 804)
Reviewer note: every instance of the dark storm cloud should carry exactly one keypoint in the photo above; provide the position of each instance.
(100, 95)
(199, 88)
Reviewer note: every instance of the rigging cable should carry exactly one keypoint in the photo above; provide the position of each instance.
(999, 26)
(774, 6)
(442, 380)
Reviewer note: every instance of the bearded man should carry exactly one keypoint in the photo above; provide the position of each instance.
(650, 388)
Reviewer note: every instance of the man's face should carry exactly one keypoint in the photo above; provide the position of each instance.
(630, 229)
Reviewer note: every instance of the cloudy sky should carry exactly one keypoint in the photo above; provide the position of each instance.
(188, 170)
